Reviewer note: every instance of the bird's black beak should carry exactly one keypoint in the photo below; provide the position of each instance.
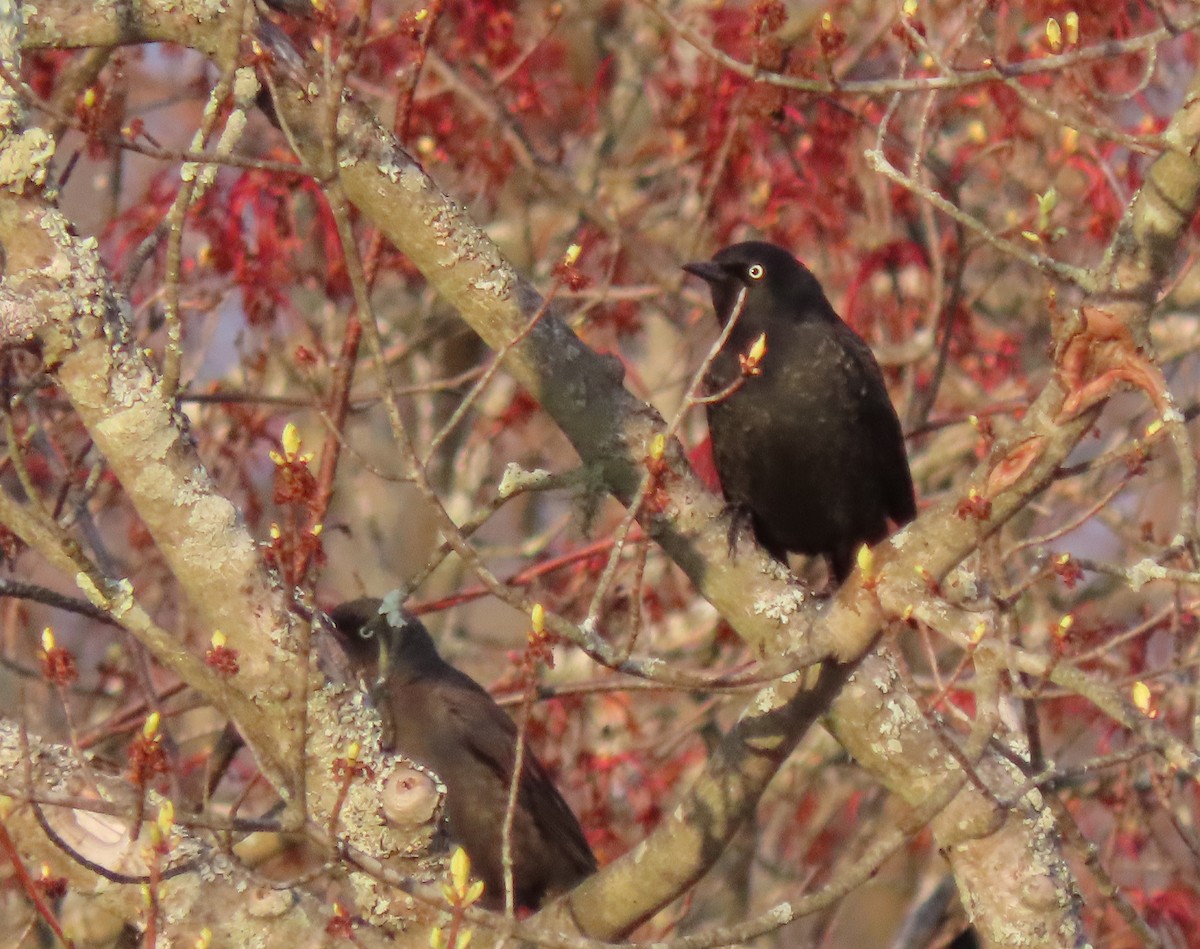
(707, 271)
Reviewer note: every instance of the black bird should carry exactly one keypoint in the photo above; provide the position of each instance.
(806, 443)
(441, 718)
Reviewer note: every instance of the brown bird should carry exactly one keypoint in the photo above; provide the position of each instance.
(441, 718)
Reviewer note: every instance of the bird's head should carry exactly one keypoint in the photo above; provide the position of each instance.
(380, 637)
(774, 280)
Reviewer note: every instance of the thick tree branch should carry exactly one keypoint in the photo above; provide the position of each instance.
(201, 885)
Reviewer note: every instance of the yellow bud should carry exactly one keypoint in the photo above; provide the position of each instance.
(538, 616)
(150, 729)
(166, 818)
(827, 21)
(460, 870)
(6, 806)
(1054, 35)
(1141, 697)
(276, 533)
(421, 15)
(974, 420)
(1031, 237)
(290, 440)
(474, 893)
(89, 98)
(437, 938)
(353, 750)
(1070, 140)
(979, 632)
(48, 642)
(1046, 204)
(1071, 21)
(977, 132)
(218, 639)
(865, 559)
(759, 349)
(204, 940)
(317, 529)
(1064, 625)
(147, 896)
(658, 446)
(910, 8)
(572, 255)
(907, 613)
(46, 871)
(464, 937)
(1154, 428)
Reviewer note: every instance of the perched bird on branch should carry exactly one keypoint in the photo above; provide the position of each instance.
(442, 719)
(805, 440)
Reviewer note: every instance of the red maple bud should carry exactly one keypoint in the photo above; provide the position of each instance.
(304, 357)
(147, 759)
(273, 553)
(58, 665)
(1135, 460)
(987, 433)
(932, 587)
(310, 547)
(50, 886)
(294, 483)
(830, 36)
(566, 273)
(10, 544)
(768, 15)
(656, 460)
(350, 767)
(657, 501)
(751, 361)
(541, 650)
(539, 643)
(1068, 571)
(518, 412)
(220, 658)
(974, 506)
(340, 924)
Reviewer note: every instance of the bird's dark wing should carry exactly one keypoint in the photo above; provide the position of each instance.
(881, 423)
(492, 739)
(556, 822)
(898, 493)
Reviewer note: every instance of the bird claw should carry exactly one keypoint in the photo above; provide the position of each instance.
(740, 517)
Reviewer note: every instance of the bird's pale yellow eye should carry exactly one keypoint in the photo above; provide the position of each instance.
(755, 271)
